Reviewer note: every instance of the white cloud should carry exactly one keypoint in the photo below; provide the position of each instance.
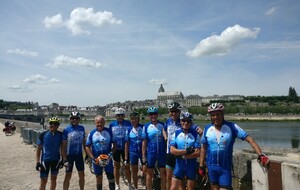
(157, 81)
(22, 52)
(35, 79)
(222, 44)
(39, 79)
(54, 80)
(54, 21)
(65, 61)
(271, 11)
(80, 18)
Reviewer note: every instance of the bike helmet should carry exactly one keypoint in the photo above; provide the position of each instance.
(215, 107)
(186, 115)
(174, 106)
(75, 114)
(102, 160)
(54, 120)
(152, 109)
(120, 111)
(134, 114)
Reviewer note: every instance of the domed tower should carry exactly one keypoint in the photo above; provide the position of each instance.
(161, 89)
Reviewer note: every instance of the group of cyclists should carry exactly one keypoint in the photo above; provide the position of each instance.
(174, 147)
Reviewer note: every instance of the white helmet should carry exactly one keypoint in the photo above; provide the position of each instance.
(120, 111)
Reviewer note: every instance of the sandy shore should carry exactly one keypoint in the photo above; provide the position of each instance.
(17, 168)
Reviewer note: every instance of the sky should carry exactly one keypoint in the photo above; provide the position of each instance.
(88, 53)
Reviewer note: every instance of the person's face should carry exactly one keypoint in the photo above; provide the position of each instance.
(120, 117)
(74, 120)
(216, 118)
(53, 126)
(100, 123)
(134, 121)
(186, 123)
(174, 114)
(153, 117)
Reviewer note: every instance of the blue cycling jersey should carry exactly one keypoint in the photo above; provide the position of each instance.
(220, 143)
(170, 127)
(74, 135)
(155, 139)
(119, 132)
(51, 145)
(100, 142)
(134, 137)
(182, 141)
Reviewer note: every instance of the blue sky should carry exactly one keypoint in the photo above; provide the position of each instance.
(88, 53)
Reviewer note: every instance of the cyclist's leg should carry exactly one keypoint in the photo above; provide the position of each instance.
(170, 165)
(80, 168)
(69, 171)
(117, 166)
(134, 167)
(44, 175)
(162, 168)
(54, 172)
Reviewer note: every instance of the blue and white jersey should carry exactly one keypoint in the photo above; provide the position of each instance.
(182, 141)
(51, 145)
(220, 143)
(134, 137)
(100, 142)
(74, 135)
(154, 136)
(170, 127)
(119, 132)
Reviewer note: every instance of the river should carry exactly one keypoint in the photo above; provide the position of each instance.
(266, 134)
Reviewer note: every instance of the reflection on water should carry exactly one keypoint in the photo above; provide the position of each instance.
(266, 134)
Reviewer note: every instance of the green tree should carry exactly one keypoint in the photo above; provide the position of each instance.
(293, 96)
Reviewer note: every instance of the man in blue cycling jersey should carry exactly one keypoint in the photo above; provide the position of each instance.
(119, 128)
(185, 145)
(172, 124)
(218, 139)
(73, 144)
(48, 153)
(154, 148)
(133, 147)
(99, 141)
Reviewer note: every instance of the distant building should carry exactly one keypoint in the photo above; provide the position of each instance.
(193, 100)
(165, 96)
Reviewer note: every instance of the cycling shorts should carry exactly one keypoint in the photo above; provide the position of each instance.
(47, 166)
(117, 155)
(219, 176)
(189, 170)
(170, 161)
(134, 158)
(78, 159)
(98, 170)
(153, 158)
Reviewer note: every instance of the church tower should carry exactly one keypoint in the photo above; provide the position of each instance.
(161, 88)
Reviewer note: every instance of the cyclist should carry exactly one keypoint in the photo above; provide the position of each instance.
(217, 147)
(119, 128)
(99, 141)
(133, 147)
(154, 148)
(73, 144)
(48, 153)
(172, 124)
(186, 146)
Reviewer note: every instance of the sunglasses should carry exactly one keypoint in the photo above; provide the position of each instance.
(186, 120)
(152, 113)
(120, 115)
(74, 118)
(54, 124)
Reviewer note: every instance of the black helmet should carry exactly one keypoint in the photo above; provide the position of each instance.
(75, 114)
(174, 106)
(134, 114)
